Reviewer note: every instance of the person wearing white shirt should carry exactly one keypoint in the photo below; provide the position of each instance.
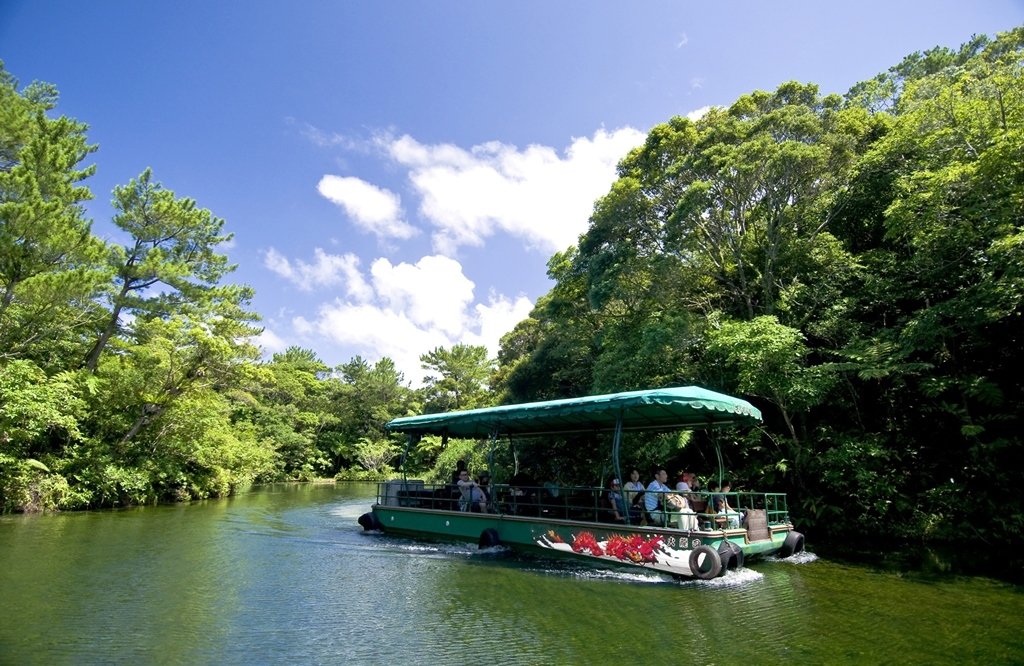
(471, 493)
(634, 486)
(655, 497)
(665, 510)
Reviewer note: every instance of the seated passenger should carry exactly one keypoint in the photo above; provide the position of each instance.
(715, 500)
(471, 493)
(634, 488)
(523, 495)
(460, 467)
(698, 501)
(483, 483)
(679, 506)
(551, 485)
(688, 483)
(654, 502)
(618, 505)
(732, 515)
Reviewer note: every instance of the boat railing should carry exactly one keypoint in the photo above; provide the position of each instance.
(593, 504)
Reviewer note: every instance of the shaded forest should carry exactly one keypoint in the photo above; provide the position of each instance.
(853, 265)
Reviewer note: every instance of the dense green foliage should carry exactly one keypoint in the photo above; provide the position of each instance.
(128, 373)
(852, 265)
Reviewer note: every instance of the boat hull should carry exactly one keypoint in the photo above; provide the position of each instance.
(665, 550)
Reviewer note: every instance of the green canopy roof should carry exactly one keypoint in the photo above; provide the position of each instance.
(685, 407)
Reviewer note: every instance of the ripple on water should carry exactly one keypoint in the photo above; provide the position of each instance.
(804, 557)
(605, 574)
(352, 511)
(732, 578)
(270, 577)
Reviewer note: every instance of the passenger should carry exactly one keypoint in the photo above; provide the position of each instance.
(683, 504)
(685, 518)
(697, 503)
(618, 505)
(484, 485)
(634, 488)
(459, 467)
(732, 515)
(551, 485)
(523, 495)
(654, 498)
(715, 501)
(471, 493)
(688, 482)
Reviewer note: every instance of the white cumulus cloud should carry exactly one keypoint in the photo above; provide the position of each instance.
(405, 310)
(271, 342)
(535, 194)
(433, 293)
(496, 319)
(327, 270)
(697, 114)
(371, 208)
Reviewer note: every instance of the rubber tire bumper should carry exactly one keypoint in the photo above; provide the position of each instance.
(369, 521)
(794, 543)
(735, 556)
(725, 554)
(489, 538)
(705, 562)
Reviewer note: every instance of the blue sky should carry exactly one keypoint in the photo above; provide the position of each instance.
(397, 174)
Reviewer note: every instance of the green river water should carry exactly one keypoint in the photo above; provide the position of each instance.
(284, 574)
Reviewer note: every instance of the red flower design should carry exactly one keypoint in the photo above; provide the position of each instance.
(585, 542)
(633, 548)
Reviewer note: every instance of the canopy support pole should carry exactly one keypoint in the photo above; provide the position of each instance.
(616, 441)
(721, 465)
(490, 469)
(405, 456)
(515, 455)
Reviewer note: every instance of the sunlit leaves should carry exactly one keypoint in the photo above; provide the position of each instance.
(458, 377)
(51, 266)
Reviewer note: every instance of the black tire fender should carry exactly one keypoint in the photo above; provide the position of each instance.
(794, 543)
(705, 562)
(736, 556)
(725, 553)
(369, 521)
(489, 538)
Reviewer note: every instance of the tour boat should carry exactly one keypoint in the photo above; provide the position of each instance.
(686, 539)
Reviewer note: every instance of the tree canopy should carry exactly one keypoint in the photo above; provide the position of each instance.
(852, 265)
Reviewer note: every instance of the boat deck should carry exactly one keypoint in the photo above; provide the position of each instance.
(754, 511)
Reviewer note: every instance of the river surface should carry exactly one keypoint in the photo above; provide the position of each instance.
(284, 574)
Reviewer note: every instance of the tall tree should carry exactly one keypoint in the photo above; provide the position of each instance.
(370, 396)
(171, 260)
(934, 363)
(48, 255)
(552, 354)
(458, 377)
